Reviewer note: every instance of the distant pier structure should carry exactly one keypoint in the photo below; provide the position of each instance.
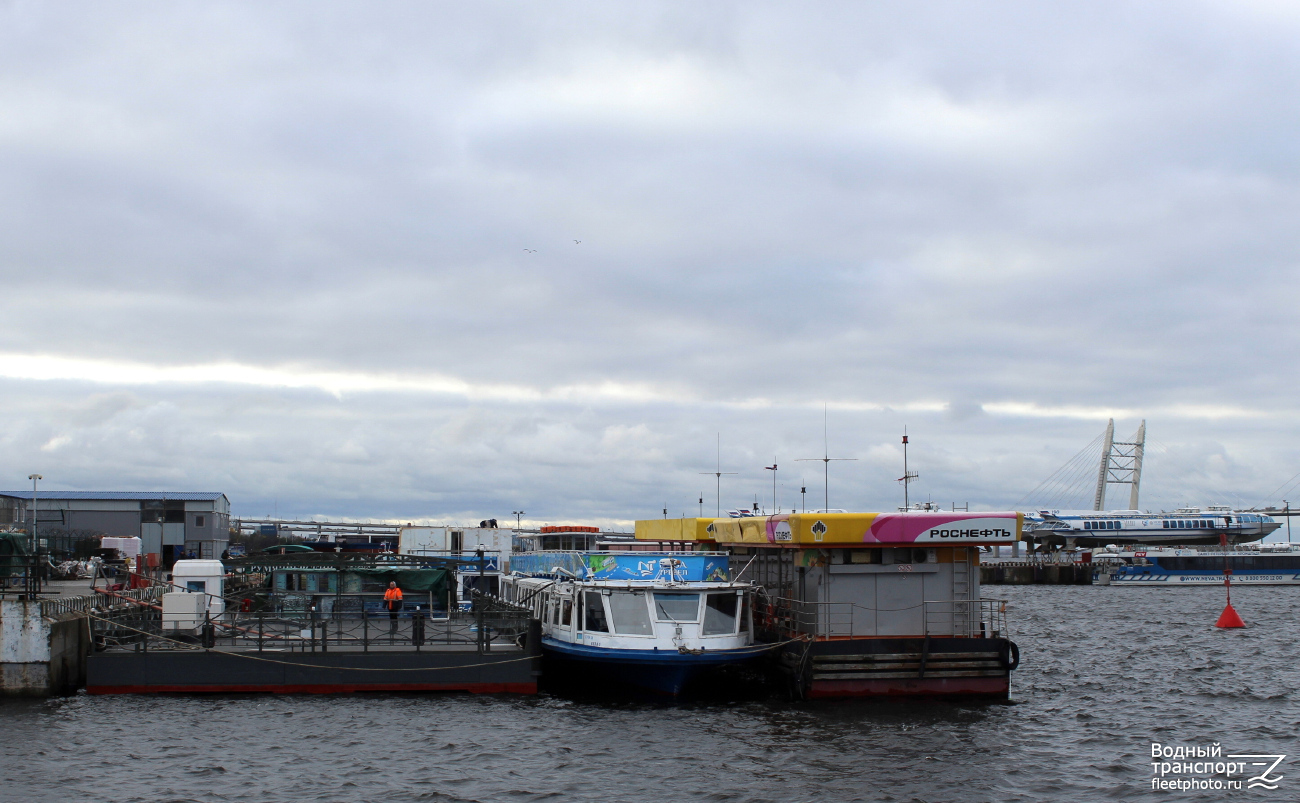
(1121, 464)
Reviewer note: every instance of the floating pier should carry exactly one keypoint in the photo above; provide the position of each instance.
(1025, 573)
(493, 648)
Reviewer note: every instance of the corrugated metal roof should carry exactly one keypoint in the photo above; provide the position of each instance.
(178, 496)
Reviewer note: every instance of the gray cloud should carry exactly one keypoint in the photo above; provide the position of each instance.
(896, 209)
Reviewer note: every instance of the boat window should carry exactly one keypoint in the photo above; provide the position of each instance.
(567, 616)
(677, 607)
(593, 612)
(720, 614)
(629, 613)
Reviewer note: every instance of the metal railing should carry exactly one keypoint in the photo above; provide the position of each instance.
(490, 623)
(788, 618)
(23, 574)
(976, 618)
(100, 601)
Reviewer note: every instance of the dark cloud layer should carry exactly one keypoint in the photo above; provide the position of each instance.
(998, 224)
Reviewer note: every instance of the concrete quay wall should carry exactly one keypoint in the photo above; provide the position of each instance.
(41, 656)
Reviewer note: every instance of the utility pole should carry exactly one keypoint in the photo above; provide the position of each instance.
(908, 476)
(719, 474)
(825, 461)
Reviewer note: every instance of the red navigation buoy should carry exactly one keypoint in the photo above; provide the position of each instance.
(1229, 617)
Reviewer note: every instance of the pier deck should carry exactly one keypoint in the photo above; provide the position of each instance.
(496, 649)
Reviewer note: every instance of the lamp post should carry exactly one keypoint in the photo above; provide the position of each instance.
(701, 504)
(517, 514)
(772, 468)
(34, 478)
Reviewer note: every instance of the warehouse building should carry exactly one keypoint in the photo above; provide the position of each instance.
(170, 524)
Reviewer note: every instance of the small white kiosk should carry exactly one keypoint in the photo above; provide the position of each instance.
(207, 577)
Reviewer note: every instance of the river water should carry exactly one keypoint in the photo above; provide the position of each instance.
(1104, 673)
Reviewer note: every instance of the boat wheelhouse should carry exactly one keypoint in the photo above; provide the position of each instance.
(863, 604)
(653, 620)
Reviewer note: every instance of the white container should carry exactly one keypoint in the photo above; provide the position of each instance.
(129, 547)
(182, 611)
(206, 578)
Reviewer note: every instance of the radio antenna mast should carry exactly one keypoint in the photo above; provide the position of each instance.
(718, 474)
(908, 476)
(825, 460)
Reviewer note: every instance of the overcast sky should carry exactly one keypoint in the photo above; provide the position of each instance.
(443, 261)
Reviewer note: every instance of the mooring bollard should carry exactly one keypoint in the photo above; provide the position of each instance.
(417, 629)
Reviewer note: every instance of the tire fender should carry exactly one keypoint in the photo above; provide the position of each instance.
(1010, 655)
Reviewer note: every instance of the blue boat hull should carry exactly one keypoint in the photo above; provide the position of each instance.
(662, 672)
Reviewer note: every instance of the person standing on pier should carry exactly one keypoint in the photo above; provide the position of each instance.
(393, 602)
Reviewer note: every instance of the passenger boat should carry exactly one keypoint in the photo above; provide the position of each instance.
(1266, 565)
(1189, 525)
(652, 620)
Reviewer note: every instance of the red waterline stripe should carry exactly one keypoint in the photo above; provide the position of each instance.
(319, 688)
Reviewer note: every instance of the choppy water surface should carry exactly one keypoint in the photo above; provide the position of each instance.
(1105, 672)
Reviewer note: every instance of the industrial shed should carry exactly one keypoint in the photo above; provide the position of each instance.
(169, 523)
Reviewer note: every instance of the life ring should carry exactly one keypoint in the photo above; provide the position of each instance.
(1010, 655)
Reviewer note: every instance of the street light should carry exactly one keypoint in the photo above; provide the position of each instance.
(772, 468)
(517, 514)
(34, 478)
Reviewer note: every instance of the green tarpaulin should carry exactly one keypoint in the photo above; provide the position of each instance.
(421, 580)
(13, 554)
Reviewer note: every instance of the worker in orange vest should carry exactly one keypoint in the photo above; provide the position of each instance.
(393, 602)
